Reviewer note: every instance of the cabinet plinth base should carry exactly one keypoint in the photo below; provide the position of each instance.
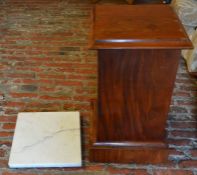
(129, 155)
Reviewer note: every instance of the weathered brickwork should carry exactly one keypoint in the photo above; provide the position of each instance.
(45, 65)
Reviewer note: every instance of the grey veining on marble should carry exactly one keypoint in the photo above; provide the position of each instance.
(46, 139)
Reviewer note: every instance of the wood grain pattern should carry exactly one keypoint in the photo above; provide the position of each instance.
(134, 93)
(127, 155)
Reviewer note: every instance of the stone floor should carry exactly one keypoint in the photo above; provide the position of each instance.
(45, 65)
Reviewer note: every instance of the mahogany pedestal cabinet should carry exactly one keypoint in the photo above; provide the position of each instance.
(139, 48)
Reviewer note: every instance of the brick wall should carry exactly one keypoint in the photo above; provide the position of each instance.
(45, 65)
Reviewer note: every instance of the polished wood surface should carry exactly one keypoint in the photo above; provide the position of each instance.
(134, 93)
(127, 155)
(146, 26)
(138, 56)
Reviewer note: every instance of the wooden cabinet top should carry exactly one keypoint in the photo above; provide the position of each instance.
(137, 26)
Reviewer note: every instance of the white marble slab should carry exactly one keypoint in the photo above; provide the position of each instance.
(46, 139)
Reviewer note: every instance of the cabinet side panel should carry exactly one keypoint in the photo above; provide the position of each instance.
(134, 94)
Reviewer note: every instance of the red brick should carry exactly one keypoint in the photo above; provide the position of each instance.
(19, 95)
(125, 171)
(44, 59)
(87, 66)
(77, 106)
(21, 75)
(86, 71)
(8, 126)
(7, 118)
(47, 97)
(175, 152)
(6, 134)
(180, 142)
(86, 91)
(28, 81)
(183, 124)
(77, 77)
(94, 167)
(184, 134)
(58, 65)
(193, 153)
(69, 83)
(93, 83)
(188, 164)
(46, 89)
(45, 81)
(15, 104)
(172, 172)
(53, 76)
(64, 69)
(83, 98)
(43, 107)
(3, 66)
(35, 69)
(187, 103)
(11, 111)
